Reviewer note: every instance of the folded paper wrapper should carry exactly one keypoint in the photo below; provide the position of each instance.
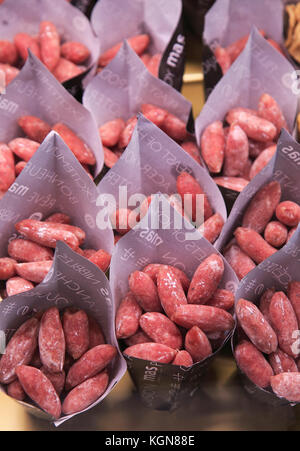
(124, 85)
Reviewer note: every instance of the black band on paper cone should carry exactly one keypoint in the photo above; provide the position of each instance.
(172, 65)
(195, 11)
(165, 386)
(229, 196)
(74, 85)
(85, 6)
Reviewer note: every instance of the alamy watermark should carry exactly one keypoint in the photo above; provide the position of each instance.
(2, 82)
(2, 342)
(292, 80)
(173, 212)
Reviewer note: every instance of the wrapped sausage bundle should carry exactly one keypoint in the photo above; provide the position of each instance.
(266, 342)
(255, 100)
(153, 29)
(58, 34)
(173, 293)
(61, 355)
(121, 91)
(227, 28)
(266, 213)
(53, 199)
(154, 163)
(33, 105)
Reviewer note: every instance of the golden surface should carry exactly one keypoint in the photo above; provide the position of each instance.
(221, 402)
(193, 77)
